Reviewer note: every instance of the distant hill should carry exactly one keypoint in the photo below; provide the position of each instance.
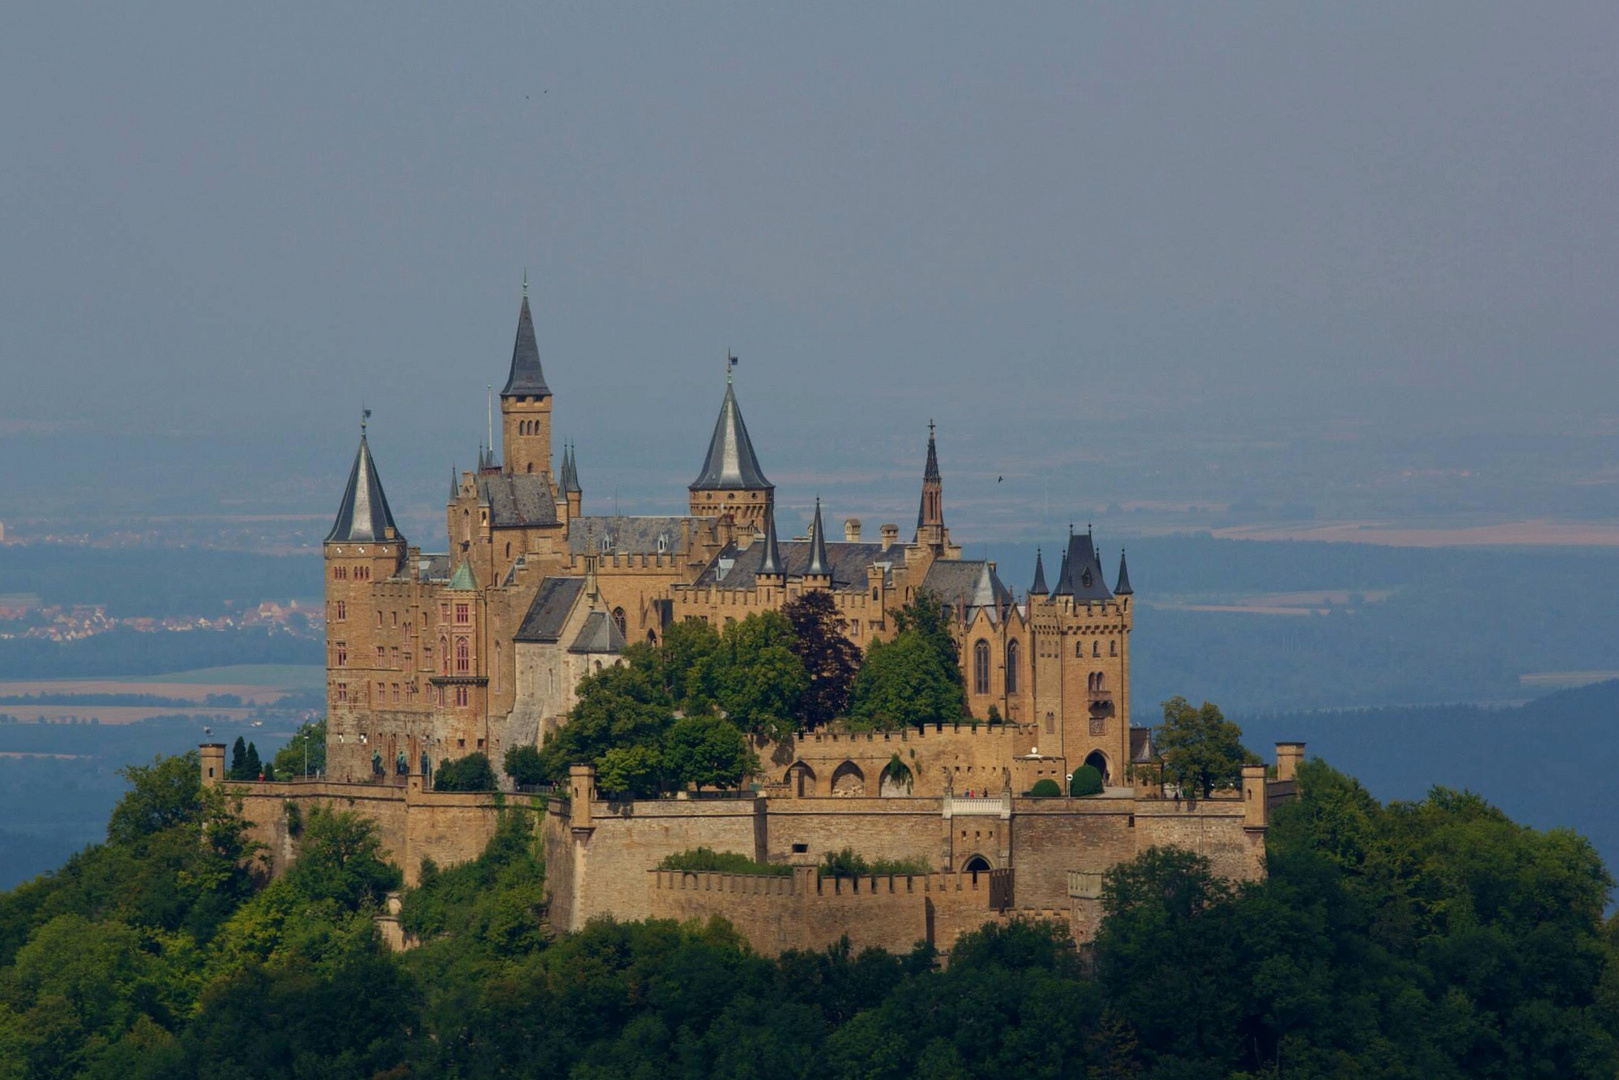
(1547, 763)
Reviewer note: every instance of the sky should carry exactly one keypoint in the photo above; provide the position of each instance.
(1343, 261)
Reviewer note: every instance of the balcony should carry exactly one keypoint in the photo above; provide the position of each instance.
(1101, 702)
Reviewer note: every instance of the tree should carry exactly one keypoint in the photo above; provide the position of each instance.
(621, 706)
(927, 616)
(238, 760)
(1201, 749)
(471, 773)
(341, 858)
(524, 766)
(310, 737)
(161, 795)
(253, 767)
(1085, 781)
(904, 683)
(682, 659)
(755, 676)
(830, 659)
(707, 751)
(630, 770)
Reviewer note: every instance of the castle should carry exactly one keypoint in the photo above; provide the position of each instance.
(433, 656)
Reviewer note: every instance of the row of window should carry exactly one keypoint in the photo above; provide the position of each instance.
(1013, 652)
(341, 573)
(389, 692)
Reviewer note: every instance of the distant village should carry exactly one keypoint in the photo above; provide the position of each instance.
(25, 617)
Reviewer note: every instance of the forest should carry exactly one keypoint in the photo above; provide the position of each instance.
(1431, 938)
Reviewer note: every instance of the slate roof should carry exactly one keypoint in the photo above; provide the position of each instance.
(734, 569)
(517, 499)
(1082, 571)
(526, 378)
(548, 611)
(433, 568)
(1122, 588)
(770, 562)
(600, 634)
(731, 463)
(818, 561)
(1039, 586)
(1142, 751)
(363, 515)
(628, 535)
(570, 470)
(969, 582)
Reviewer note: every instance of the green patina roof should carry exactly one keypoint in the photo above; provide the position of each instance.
(463, 579)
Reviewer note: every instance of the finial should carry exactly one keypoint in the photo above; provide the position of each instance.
(730, 362)
(1087, 528)
(930, 427)
(365, 417)
(525, 283)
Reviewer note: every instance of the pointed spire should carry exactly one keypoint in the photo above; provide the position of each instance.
(931, 471)
(455, 483)
(819, 564)
(570, 470)
(526, 378)
(1062, 571)
(462, 579)
(772, 562)
(1123, 586)
(731, 463)
(1039, 586)
(363, 514)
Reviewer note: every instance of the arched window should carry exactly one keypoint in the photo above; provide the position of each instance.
(1096, 648)
(618, 618)
(466, 525)
(463, 657)
(981, 667)
(1113, 647)
(1079, 649)
(1011, 666)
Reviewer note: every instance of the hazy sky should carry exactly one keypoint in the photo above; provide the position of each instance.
(1070, 232)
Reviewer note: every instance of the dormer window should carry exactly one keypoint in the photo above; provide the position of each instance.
(663, 543)
(606, 543)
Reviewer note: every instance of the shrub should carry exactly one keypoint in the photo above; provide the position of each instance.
(471, 773)
(724, 862)
(1087, 780)
(1045, 789)
(846, 864)
(524, 766)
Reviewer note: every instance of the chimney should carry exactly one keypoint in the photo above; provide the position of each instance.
(851, 530)
(1289, 755)
(890, 536)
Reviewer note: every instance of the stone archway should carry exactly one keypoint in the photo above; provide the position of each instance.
(800, 779)
(1098, 761)
(977, 864)
(848, 780)
(896, 779)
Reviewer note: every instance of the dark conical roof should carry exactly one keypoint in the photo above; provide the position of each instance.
(1123, 586)
(363, 514)
(1039, 586)
(819, 563)
(931, 470)
(772, 562)
(1082, 571)
(526, 377)
(570, 470)
(731, 463)
(455, 484)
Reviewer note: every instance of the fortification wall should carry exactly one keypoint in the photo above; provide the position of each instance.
(975, 756)
(877, 828)
(598, 865)
(447, 827)
(808, 912)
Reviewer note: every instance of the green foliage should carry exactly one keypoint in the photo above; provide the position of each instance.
(489, 906)
(754, 676)
(848, 863)
(1087, 780)
(724, 862)
(471, 773)
(289, 760)
(635, 771)
(161, 795)
(523, 765)
(682, 661)
(341, 858)
(618, 707)
(1045, 788)
(904, 682)
(829, 658)
(706, 751)
(1201, 749)
(253, 767)
(238, 760)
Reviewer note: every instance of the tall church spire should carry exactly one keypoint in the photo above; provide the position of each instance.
(930, 528)
(731, 481)
(526, 377)
(819, 564)
(363, 515)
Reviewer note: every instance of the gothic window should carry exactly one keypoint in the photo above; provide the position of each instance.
(342, 651)
(1051, 724)
(396, 693)
(1096, 648)
(463, 657)
(1011, 667)
(444, 657)
(463, 614)
(1113, 648)
(342, 691)
(382, 656)
(466, 526)
(981, 667)
(618, 618)
(461, 696)
(1079, 649)
(341, 611)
